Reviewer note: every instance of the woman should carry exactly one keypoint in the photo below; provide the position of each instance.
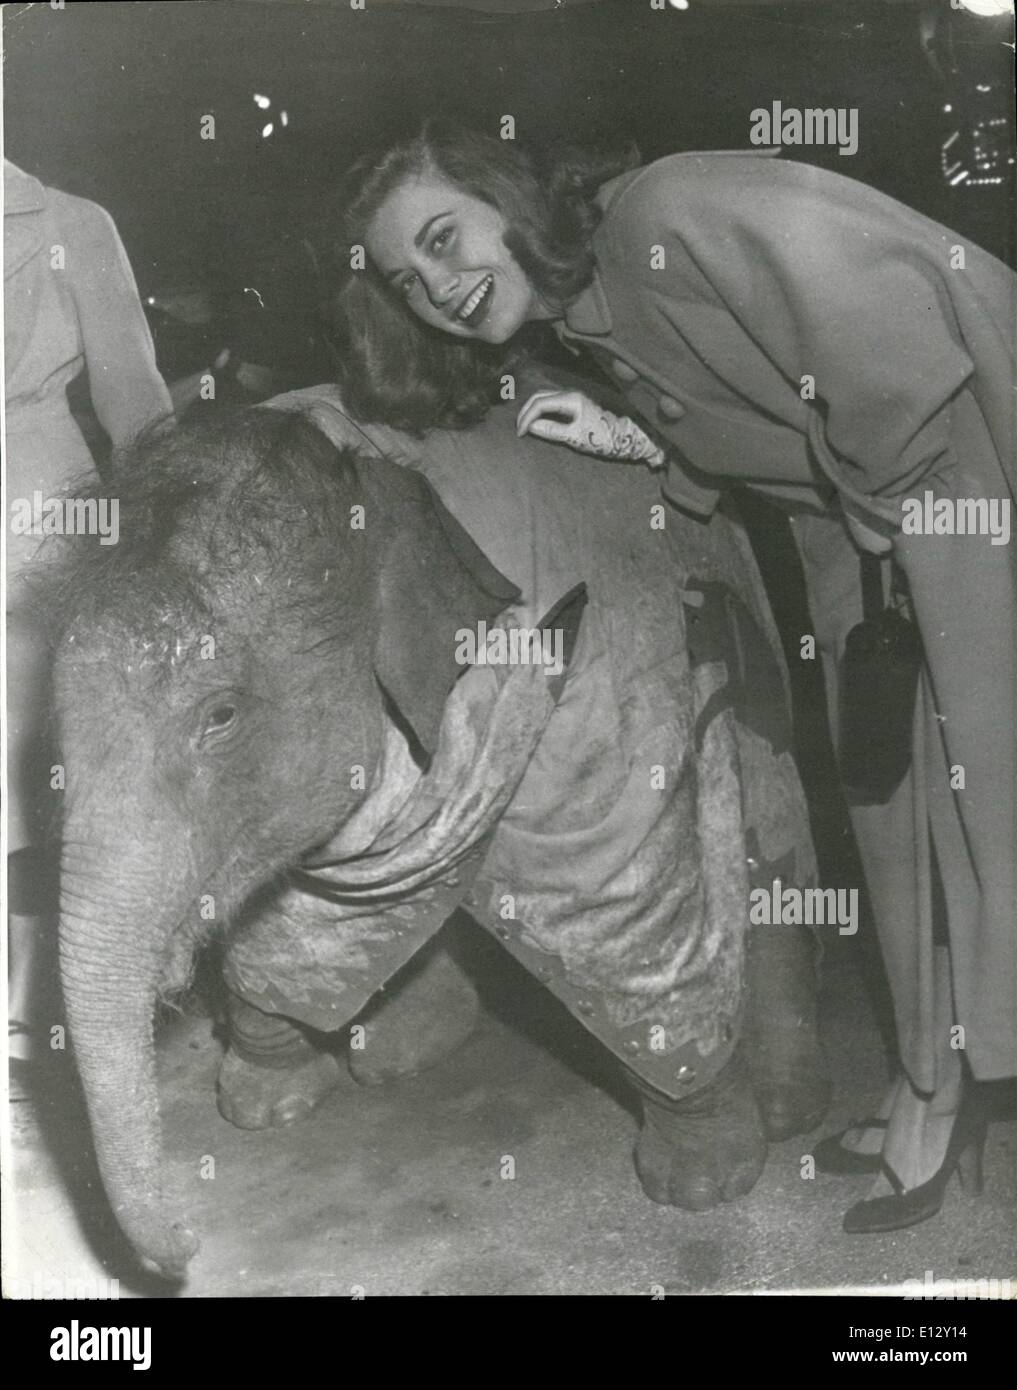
(782, 326)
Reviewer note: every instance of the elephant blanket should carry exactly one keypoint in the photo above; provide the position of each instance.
(605, 792)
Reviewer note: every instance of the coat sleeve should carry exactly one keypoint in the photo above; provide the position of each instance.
(830, 280)
(127, 390)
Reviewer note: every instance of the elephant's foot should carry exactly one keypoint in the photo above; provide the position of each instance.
(708, 1149)
(265, 1097)
(271, 1074)
(427, 1011)
(781, 1039)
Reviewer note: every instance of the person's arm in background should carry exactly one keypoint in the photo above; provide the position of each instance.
(127, 390)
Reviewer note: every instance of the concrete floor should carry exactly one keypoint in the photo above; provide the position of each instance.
(399, 1190)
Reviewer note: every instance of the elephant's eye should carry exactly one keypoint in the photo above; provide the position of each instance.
(219, 720)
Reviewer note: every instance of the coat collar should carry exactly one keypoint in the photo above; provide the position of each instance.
(22, 192)
(24, 200)
(590, 313)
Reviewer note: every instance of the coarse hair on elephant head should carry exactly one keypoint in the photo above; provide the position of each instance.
(220, 675)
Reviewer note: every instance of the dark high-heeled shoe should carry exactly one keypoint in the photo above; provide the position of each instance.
(832, 1157)
(908, 1207)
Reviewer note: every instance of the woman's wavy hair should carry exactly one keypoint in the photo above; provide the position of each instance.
(394, 368)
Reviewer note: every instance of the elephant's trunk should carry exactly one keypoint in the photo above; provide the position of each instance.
(111, 955)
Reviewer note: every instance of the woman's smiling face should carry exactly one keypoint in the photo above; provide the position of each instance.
(443, 251)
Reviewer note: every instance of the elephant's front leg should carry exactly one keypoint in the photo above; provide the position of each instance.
(272, 1074)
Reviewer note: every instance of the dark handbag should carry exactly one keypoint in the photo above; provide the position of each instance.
(878, 685)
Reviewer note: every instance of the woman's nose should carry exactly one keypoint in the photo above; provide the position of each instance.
(441, 286)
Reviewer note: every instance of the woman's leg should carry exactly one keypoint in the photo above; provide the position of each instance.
(964, 594)
(921, 1122)
(885, 834)
(964, 782)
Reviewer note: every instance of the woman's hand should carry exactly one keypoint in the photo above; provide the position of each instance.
(585, 426)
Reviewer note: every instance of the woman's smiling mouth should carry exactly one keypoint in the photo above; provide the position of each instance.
(474, 307)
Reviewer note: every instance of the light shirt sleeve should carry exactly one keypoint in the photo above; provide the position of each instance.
(126, 387)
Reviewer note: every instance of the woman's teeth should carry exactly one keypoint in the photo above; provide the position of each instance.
(476, 299)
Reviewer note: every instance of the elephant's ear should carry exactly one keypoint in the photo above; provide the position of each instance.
(434, 581)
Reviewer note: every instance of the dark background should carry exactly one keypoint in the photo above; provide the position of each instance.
(105, 100)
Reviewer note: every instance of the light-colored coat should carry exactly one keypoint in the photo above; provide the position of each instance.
(789, 328)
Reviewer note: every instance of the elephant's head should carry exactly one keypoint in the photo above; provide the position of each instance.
(219, 672)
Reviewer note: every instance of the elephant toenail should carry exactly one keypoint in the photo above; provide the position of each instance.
(741, 1182)
(289, 1111)
(698, 1195)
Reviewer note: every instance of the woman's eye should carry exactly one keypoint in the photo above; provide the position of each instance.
(440, 240)
(407, 286)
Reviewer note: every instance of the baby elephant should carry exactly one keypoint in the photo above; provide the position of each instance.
(318, 697)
